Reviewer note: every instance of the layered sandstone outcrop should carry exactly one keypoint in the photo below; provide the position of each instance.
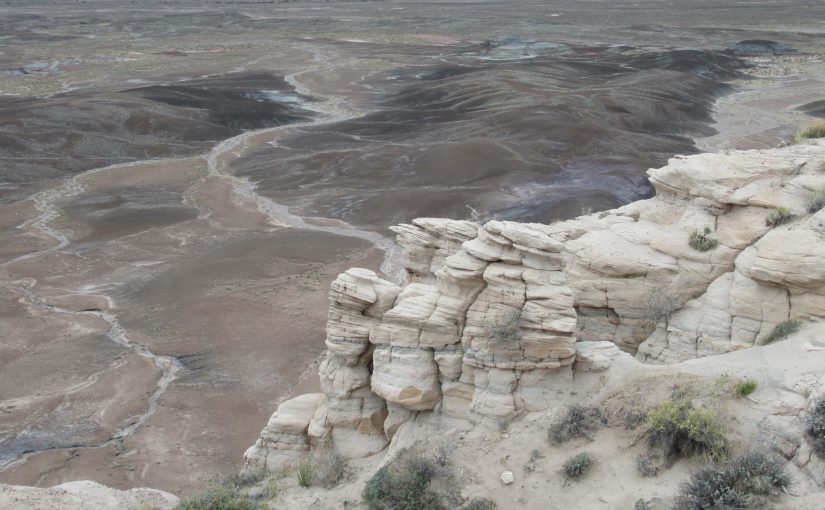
(494, 317)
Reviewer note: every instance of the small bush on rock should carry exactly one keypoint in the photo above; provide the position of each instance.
(578, 421)
(404, 485)
(328, 467)
(660, 305)
(778, 216)
(782, 330)
(577, 465)
(816, 201)
(701, 241)
(685, 431)
(219, 498)
(815, 426)
(743, 482)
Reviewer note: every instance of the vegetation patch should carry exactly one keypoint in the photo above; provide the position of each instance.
(702, 241)
(405, 484)
(816, 201)
(646, 466)
(481, 504)
(782, 330)
(219, 498)
(661, 304)
(578, 465)
(685, 431)
(815, 130)
(744, 387)
(578, 421)
(507, 329)
(305, 474)
(778, 216)
(743, 482)
(328, 467)
(815, 426)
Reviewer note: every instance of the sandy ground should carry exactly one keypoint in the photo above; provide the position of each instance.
(172, 304)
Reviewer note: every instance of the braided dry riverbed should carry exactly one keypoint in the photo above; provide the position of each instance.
(180, 187)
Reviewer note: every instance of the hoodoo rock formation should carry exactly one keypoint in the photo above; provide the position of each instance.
(494, 318)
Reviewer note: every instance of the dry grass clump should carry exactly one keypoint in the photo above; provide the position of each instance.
(815, 130)
(816, 201)
(746, 481)
(578, 421)
(778, 216)
(305, 474)
(744, 387)
(701, 240)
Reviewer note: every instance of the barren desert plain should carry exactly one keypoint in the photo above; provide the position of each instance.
(181, 181)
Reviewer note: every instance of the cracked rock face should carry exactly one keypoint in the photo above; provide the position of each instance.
(495, 317)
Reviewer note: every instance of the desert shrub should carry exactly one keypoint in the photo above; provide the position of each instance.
(778, 216)
(822, 166)
(443, 452)
(305, 475)
(507, 329)
(660, 305)
(328, 467)
(782, 330)
(815, 130)
(744, 387)
(742, 482)
(645, 466)
(578, 421)
(535, 454)
(685, 431)
(245, 478)
(219, 498)
(816, 201)
(577, 465)
(481, 504)
(404, 485)
(641, 504)
(701, 241)
(815, 426)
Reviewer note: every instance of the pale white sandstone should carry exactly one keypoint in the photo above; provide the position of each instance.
(83, 495)
(285, 439)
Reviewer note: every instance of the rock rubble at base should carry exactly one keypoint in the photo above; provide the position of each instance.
(495, 317)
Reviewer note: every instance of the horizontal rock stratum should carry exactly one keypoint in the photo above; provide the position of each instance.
(495, 319)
